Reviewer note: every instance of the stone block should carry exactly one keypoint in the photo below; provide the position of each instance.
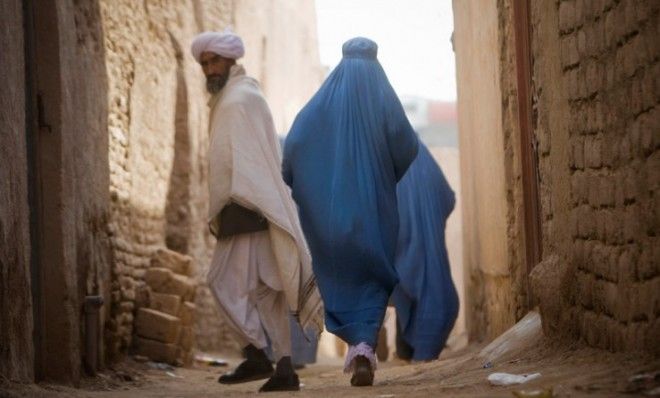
(582, 92)
(613, 260)
(175, 262)
(630, 22)
(635, 96)
(128, 294)
(627, 262)
(647, 264)
(652, 122)
(187, 313)
(589, 329)
(653, 173)
(157, 277)
(593, 189)
(654, 288)
(599, 107)
(577, 146)
(157, 325)
(126, 282)
(586, 225)
(593, 73)
(606, 191)
(585, 290)
(648, 296)
(610, 154)
(167, 303)
(597, 259)
(599, 221)
(613, 226)
(619, 188)
(579, 12)
(566, 15)
(610, 25)
(586, 41)
(579, 187)
(592, 152)
(126, 307)
(629, 59)
(163, 280)
(632, 223)
(630, 184)
(156, 350)
(569, 51)
(610, 298)
(577, 250)
(142, 295)
(572, 82)
(582, 43)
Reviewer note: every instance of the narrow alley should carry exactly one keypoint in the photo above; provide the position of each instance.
(541, 117)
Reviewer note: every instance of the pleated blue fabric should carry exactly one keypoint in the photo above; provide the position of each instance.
(345, 152)
(425, 299)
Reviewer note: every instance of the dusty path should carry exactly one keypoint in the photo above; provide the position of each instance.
(572, 371)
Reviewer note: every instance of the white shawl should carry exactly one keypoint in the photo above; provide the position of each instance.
(245, 168)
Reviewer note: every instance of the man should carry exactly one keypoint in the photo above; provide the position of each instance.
(261, 267)
(425, 299)
(346, 151)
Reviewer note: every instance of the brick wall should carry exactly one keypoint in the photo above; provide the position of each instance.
(597, 125)
(157, 126)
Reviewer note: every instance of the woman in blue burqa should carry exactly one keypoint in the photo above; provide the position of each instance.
(346, 150)
(425, 299)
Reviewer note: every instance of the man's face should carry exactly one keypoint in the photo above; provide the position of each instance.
(216, 69)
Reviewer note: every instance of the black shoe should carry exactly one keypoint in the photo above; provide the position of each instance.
(255, 367)
(277, 382)
(248, 370)
(284, 379)
(363, 374)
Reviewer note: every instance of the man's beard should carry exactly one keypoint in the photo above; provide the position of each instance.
(215, 83)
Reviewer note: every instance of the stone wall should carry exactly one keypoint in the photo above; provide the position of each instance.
(490, 168)
(596, 90)
(157, 128)
(16, 347)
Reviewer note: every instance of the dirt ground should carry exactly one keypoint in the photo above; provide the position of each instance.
(570, 370)
(567, 369)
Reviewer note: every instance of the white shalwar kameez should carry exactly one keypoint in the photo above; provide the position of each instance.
(257, 278)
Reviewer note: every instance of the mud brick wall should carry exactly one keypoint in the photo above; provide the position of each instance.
(157, 128)
(490, 167)
(596, 92)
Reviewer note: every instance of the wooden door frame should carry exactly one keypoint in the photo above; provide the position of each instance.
(529, 159)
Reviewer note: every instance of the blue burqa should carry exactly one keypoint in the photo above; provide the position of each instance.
(425, 299)
(345, 152)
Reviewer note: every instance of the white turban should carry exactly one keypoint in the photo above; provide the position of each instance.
(226, 44)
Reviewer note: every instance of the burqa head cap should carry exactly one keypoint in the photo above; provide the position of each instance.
(360, 47)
